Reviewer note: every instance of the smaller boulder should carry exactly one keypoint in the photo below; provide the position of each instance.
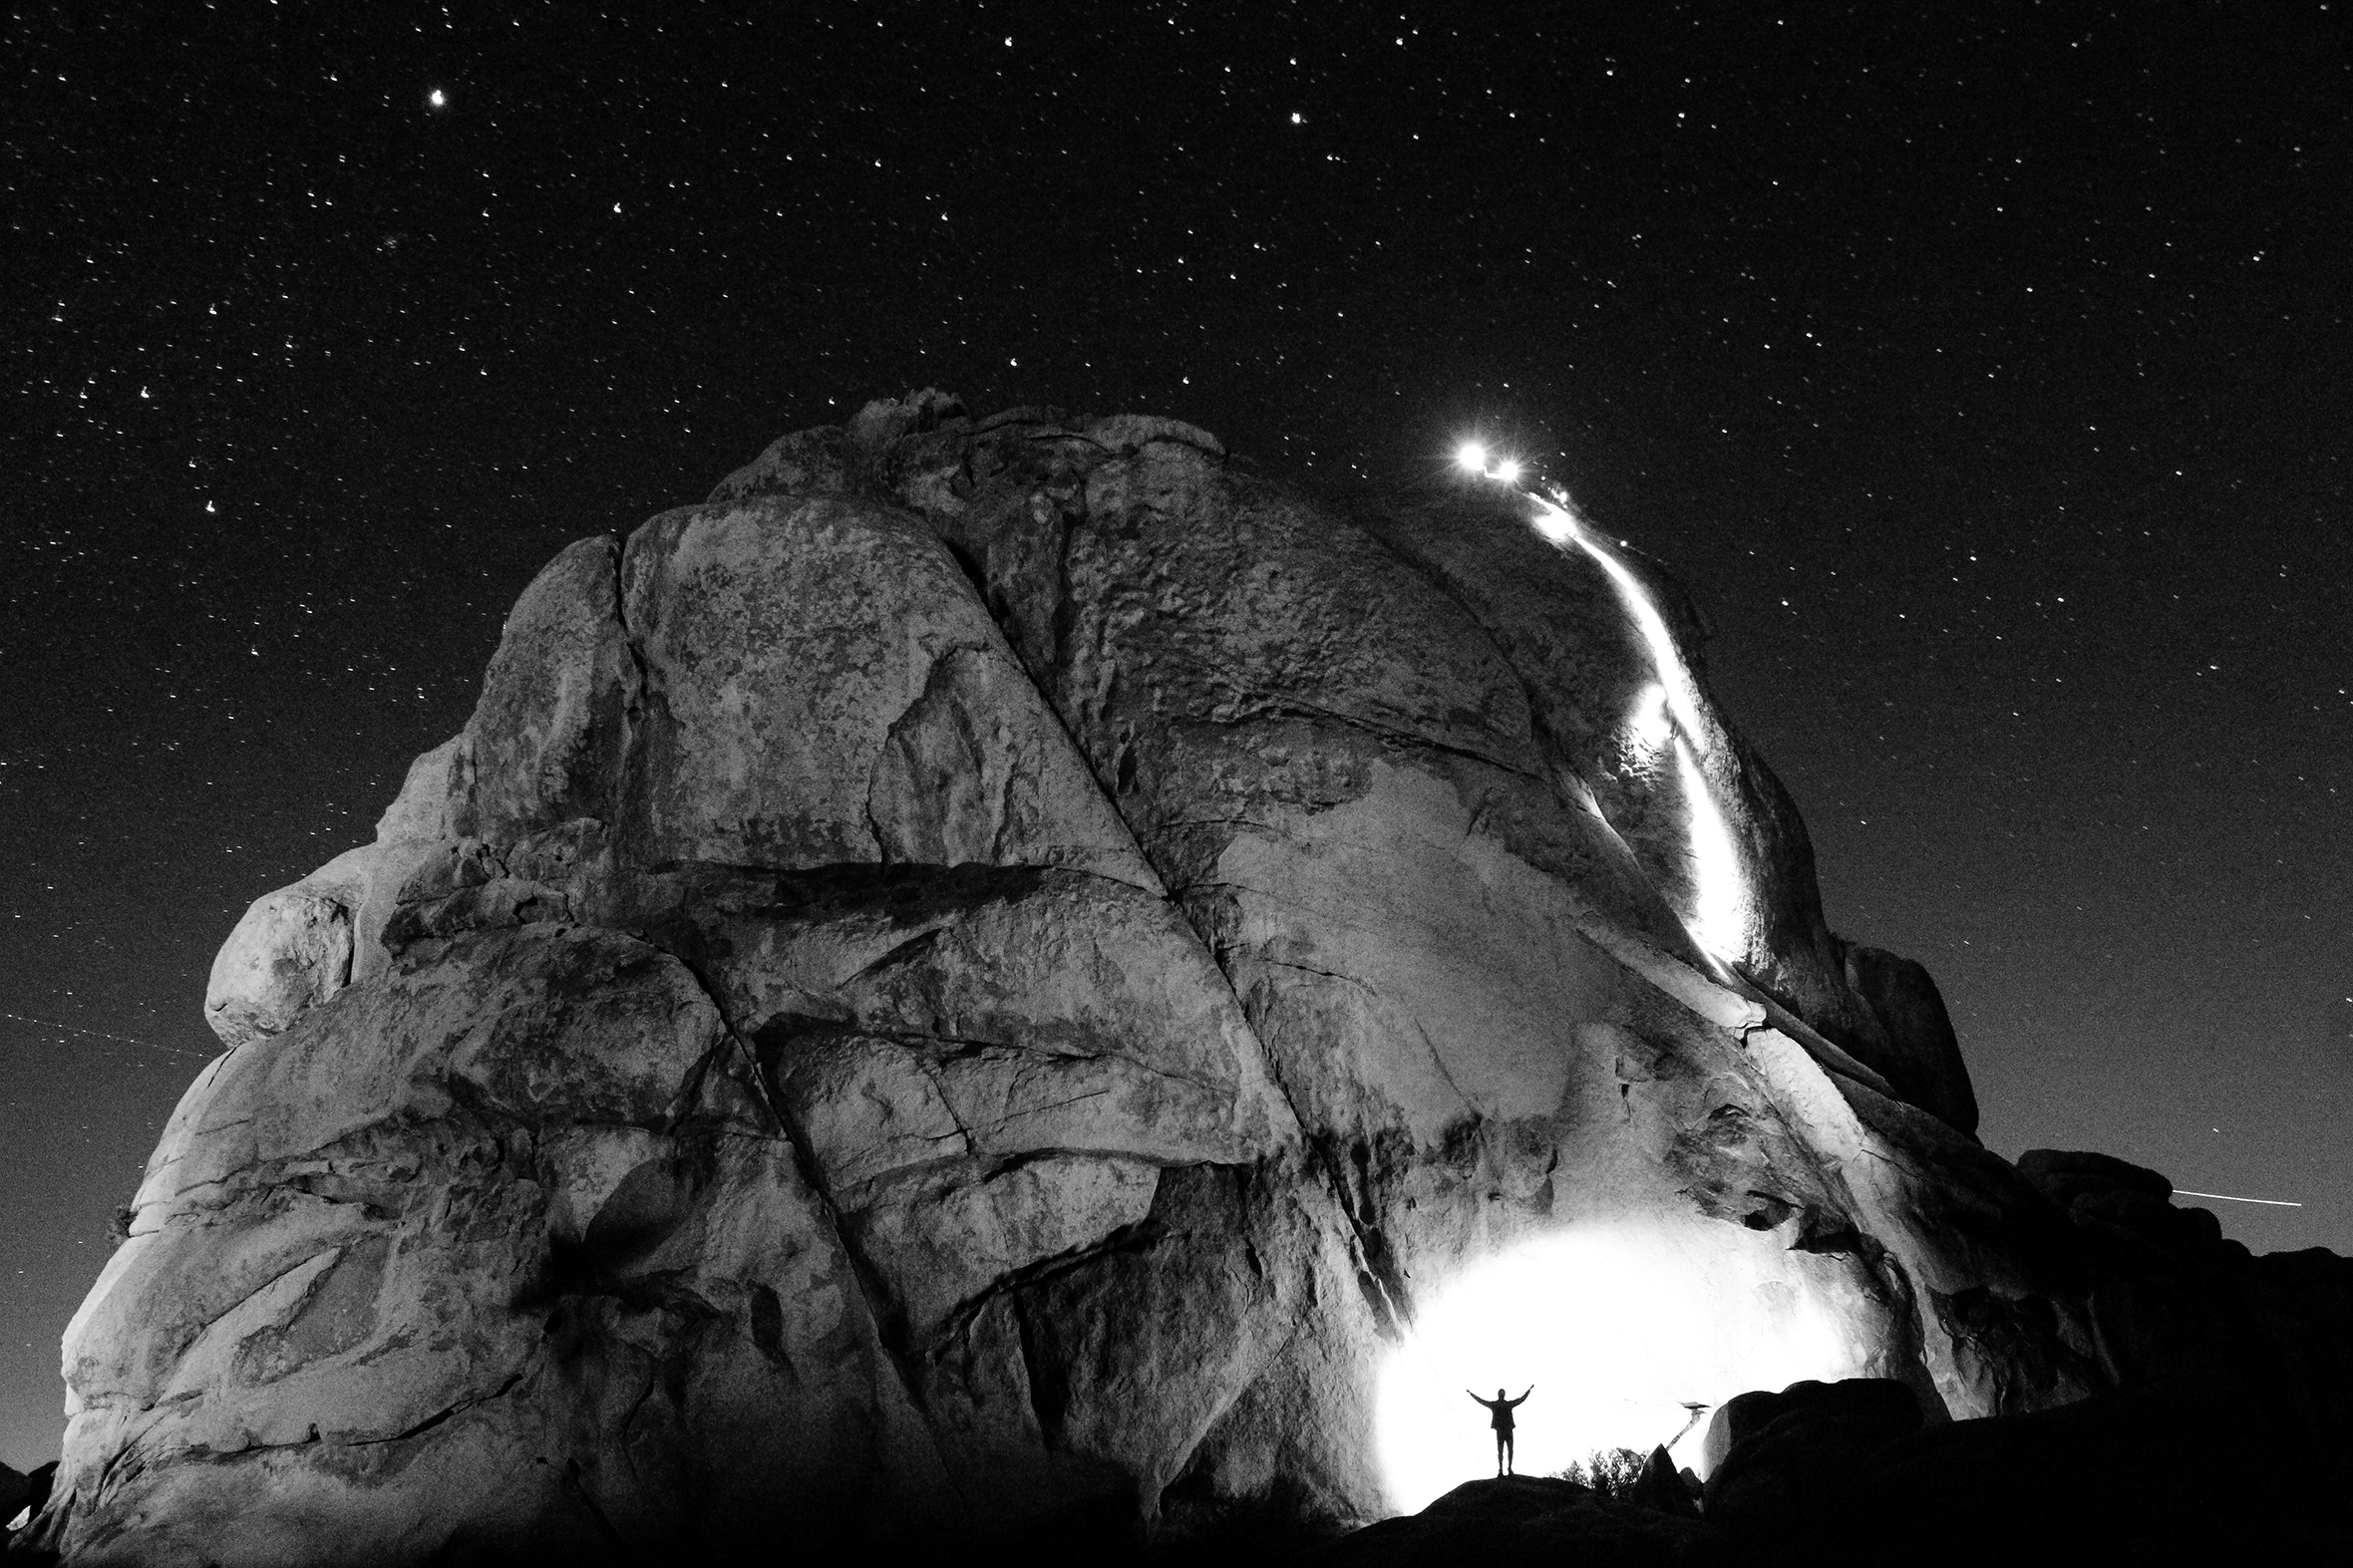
(2184, 1235)
(1781, 1462)
(1923, 1060)
(2063, 1176)
(290, 952)
(1878, 1401)
(1662, 1488)
(25, 1492)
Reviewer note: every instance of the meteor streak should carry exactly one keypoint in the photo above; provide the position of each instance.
(2278, 1203)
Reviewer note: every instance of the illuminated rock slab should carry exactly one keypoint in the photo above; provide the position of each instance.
(1008, 971)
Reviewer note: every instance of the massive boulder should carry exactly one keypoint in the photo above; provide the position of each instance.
(980, 980)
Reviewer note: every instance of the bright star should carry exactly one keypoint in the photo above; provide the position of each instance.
(1507, 470)
(1472, 456)
(438, 99)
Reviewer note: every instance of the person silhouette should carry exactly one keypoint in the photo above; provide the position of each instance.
(1500, 1418)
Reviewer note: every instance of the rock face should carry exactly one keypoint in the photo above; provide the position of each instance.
(976, 980)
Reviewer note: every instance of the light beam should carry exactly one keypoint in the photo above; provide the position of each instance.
(1650, 728)
(1623, 1325)
(1720, 918)
(1720, 915)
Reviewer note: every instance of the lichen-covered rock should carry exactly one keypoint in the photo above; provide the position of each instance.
(986, 976)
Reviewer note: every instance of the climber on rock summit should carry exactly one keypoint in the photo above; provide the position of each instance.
(1500, 1418)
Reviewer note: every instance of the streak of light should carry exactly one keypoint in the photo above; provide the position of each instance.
(1650, 725)
(1559, 524)
(100, 1034)
(1719, 921)
(2278, 1203)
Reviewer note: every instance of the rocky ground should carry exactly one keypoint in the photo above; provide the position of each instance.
(2179, 1470)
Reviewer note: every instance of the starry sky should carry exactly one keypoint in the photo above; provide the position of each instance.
(1982, 368)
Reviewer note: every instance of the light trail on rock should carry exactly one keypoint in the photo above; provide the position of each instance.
(1721, 915)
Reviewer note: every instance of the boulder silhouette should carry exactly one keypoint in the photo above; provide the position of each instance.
(1528, 1519)
(972, 985)
(1662, 1488)
(1779, 1463)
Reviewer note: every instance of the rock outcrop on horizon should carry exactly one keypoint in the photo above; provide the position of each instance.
(974, 982)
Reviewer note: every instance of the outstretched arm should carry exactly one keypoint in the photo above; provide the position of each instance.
(1523, 1394)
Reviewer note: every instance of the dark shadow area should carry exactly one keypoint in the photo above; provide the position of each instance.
(2185, 1470)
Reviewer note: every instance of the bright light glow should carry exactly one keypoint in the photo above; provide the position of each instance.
(1617, 1324)
(1718, 919)
(1557, 524)
(1507, 470)
(1651, 727)
(437, 99)
(1472, 456)
(1665, 657)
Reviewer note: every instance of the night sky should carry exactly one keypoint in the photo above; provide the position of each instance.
(1983, 370)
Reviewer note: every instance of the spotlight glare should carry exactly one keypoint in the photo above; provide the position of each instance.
(1621, 1324)
(1650, 725)
(1556, 523)
(1472, 456)
(1508, 471)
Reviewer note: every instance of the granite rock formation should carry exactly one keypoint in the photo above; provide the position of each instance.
(976, 979)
